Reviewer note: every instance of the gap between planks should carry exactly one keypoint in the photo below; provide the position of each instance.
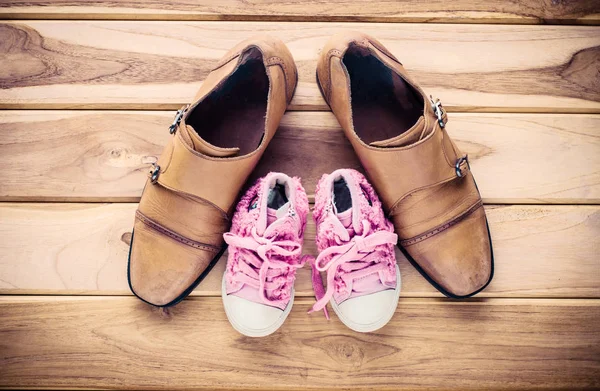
(173, 107)
(104, 17)
(406, 11)
(512, 301)
(308, 297)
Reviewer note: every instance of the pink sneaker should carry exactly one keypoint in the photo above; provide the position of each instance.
(356, 249)
(265, 243)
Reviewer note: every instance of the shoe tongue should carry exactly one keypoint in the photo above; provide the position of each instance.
(345, 218)
(275, 214)
(412, 135)
(206, 148)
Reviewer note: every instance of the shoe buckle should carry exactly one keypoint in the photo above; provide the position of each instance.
(457, 166)
(177, 120)
(154, 173)
(438, 110)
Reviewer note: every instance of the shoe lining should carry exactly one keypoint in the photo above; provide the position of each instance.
(383, 104)
(277, 197)
(342, 199)
(233, 115)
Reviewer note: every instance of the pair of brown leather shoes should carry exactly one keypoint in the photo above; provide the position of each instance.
(398, 133)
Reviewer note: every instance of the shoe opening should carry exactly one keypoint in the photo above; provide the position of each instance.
(277, 196)
(342, 199)
(233, 115)
(384, 105)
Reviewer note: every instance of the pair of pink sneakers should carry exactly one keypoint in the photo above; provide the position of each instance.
(356, 250)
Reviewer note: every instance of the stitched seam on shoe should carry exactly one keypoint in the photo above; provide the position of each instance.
(396, 204)
(444, 135)
(334, 52)
(451, 212)
(173, 235)
(195, 198)
(443, 227)
(331, 53)
(279, 61)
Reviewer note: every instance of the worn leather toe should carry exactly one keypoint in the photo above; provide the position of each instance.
(458, 259)
(161, 268)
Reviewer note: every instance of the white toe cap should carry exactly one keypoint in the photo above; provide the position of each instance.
(253, 319)
(370, 312)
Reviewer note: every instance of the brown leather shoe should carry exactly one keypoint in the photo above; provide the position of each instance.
(423, 179)
(217, 141)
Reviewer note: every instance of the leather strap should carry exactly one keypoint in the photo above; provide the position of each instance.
(213, 179)
(442, 227)
(161, 229)
(426, 163)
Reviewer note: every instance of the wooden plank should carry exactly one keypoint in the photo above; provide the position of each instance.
(540, 251)
(459, 11)
(105, 155)
(104, 342)
(160, 65)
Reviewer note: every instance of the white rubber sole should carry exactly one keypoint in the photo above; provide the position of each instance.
(252, 332)
(379, 323)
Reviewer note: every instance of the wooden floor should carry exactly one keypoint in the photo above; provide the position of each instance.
(87, 91)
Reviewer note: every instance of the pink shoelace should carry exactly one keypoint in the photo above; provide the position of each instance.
(273, 275)
(354, 259)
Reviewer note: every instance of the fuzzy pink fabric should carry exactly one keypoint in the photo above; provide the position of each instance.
(244, 219)
(287, 229)
(373, 213)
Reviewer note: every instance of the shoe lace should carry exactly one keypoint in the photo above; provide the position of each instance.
(261, 264)
(348, 261)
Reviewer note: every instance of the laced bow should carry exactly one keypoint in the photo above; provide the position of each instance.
(260, 252)
(351, 256)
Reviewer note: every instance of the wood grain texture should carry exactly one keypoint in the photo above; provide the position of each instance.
(540, 251)
(436, 11)
(160, 65)
(105, 155)
(535, 326)
(123, 343)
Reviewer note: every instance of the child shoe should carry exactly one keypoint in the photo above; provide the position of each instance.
(265, 243)
(356, 249)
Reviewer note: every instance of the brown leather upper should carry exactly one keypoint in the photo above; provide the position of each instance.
(423, 179)
(187, 202)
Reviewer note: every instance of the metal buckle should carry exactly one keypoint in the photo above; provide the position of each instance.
(438, 110)
(154, 173)
(177, 120)
(464, 159)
